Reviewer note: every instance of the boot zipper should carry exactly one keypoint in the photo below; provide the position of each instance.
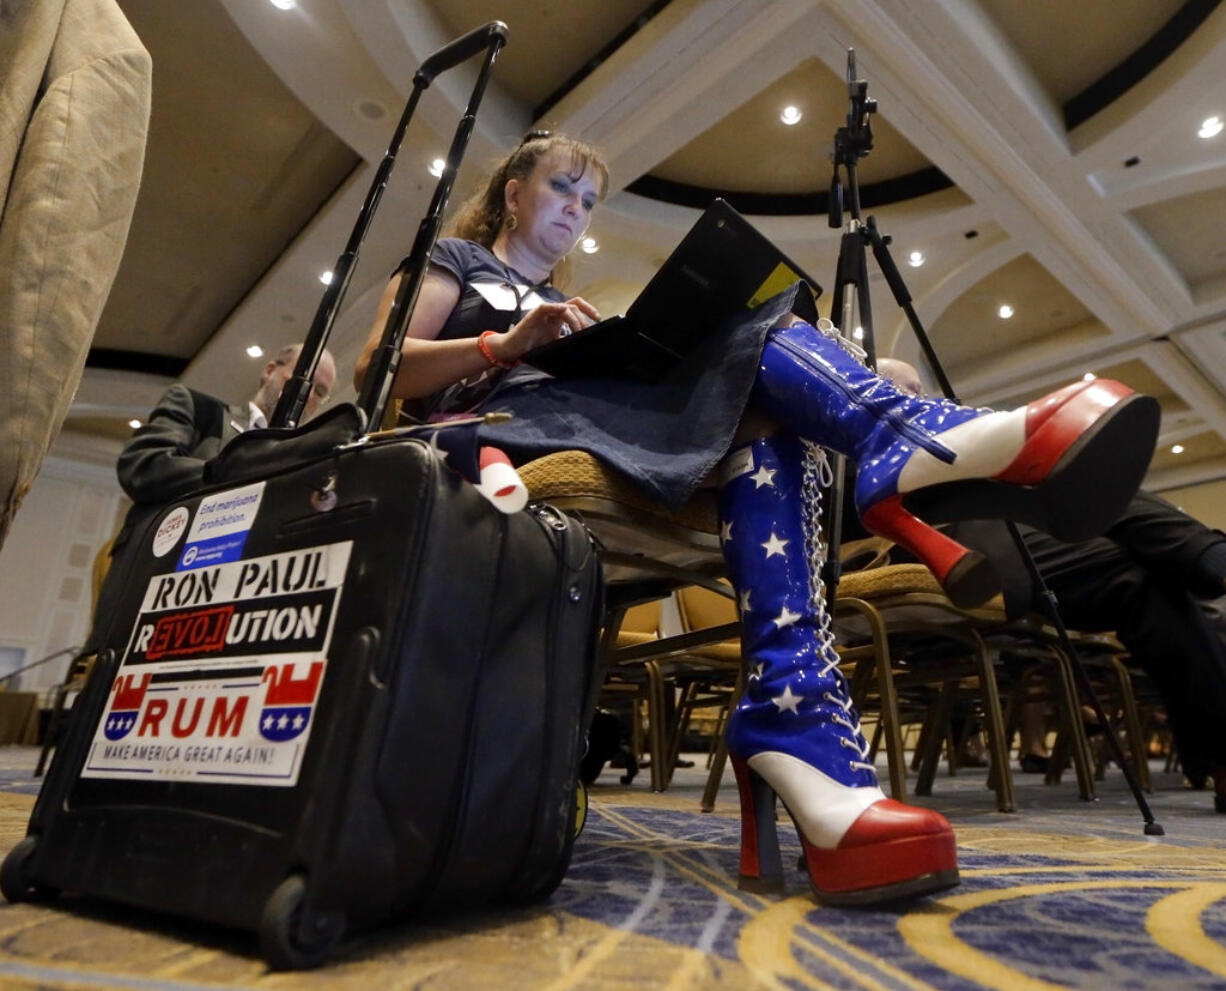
(903, 427)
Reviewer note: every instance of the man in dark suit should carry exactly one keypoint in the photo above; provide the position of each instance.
(1155, 578)
(166, 456)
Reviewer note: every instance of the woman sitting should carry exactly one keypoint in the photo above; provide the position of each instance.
(759, 395)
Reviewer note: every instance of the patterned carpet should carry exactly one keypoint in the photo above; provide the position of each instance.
(1064, 894)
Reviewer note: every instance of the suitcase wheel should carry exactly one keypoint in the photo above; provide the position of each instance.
(580, 807)
(282, 941)
(15, 883)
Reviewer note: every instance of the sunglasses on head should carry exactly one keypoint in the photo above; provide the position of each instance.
(535, 136)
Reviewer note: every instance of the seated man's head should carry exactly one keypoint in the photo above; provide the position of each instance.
(905, 377)
(279, 370)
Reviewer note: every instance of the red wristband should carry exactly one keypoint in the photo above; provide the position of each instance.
(488, 354)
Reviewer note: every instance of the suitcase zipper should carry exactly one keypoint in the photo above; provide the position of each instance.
(548, 515)
(443, 854)
(550, 519)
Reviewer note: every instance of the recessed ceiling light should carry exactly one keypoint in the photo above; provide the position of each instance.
(255, 351)
(915, 259)
(1177, 449)
(589, 246)
(1210, 127)
(790, 115)
(858, 333)
(436, 167)
(326, 277)
(284, 4)
(370, 109)
(134, 424)
(1089, 377)
(1005, 312)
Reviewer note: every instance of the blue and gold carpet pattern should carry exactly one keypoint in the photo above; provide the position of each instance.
(1071, 897)
(1047, 911)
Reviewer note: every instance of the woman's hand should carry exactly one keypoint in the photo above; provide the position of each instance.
(544, 323)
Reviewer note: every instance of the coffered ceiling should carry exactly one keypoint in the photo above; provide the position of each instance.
(1041, 157)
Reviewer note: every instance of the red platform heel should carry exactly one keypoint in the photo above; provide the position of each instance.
(889, 852)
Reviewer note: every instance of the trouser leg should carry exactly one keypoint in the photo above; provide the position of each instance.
(1101, 587)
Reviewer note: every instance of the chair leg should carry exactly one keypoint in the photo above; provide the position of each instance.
(657, 732)
(717, 734)
(715, 778)
(875, 745)
(636, 728)
(1102, 757)
(863, 673)
(927, 728)
(930, 748)
(681, 723)
(888, 693)
(890, 721)
(1132, 725)
(952, 743)
(998, 747)
(1017, 698)
(721, 749)
(1075, 727)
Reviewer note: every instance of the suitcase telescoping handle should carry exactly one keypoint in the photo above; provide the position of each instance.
(490, 37)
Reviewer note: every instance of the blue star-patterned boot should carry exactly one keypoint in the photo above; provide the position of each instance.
(1066, 464)
(795, 732)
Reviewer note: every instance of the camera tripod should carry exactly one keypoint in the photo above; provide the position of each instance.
(851, 313)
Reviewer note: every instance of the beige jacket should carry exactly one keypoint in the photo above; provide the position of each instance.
(74, 114)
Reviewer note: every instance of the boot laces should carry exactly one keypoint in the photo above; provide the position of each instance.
(843, 722)
(818, 476)
(827, 329)
(849, 719)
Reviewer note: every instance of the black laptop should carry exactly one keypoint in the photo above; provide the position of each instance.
(723, 265)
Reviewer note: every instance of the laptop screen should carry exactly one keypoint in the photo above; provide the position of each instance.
(722, 266)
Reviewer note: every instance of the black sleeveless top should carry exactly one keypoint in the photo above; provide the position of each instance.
(493, 296)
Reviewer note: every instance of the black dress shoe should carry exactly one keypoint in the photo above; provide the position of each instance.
(1033, 764)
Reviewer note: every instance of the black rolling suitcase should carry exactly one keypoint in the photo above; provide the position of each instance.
(340, 688)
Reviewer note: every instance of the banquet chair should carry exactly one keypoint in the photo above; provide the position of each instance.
(715, 679)
(1040, 671)
(631, 686)
(647, 552)
(1105, 661)
(910, 642)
